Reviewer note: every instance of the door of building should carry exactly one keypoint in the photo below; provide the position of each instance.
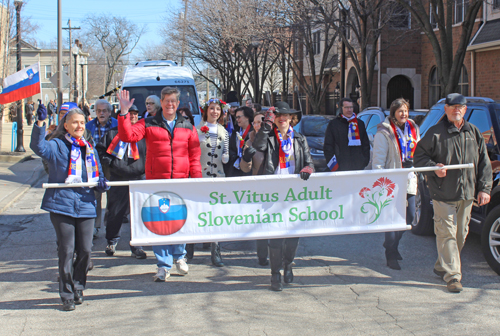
(399, 87)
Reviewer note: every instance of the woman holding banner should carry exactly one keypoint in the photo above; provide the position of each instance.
(285, 152)
(71, 159)
(393, 147)
(214, 145)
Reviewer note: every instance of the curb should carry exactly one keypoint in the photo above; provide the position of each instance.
(15, 158)
(38, 173)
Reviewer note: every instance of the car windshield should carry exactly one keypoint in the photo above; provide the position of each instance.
(187, 98)
(432, 118)
(315, 126)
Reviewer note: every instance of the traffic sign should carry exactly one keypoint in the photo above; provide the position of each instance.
(65, 80)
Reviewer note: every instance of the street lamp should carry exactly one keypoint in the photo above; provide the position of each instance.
(75, 50)
(20, 147)
(82, 63)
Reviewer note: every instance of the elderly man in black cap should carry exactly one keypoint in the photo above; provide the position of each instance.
(126, 161)
(454, 141)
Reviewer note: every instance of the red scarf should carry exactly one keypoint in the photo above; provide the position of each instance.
(353, 131)
(242, 142)
(288, 143)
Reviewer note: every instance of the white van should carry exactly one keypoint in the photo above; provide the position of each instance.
(150, 77)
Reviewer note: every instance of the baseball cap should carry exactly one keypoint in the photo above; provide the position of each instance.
(68, 106)
(455, 99)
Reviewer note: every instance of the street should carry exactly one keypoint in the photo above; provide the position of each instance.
(342, 287)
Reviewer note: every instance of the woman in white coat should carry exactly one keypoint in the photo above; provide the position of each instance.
(393, 147)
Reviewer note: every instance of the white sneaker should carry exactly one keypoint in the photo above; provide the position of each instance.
(182, 266)
(161, 275)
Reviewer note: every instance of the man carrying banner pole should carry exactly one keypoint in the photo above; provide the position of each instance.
(166, 133)
(454, 141)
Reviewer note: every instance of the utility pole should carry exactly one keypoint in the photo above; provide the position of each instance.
(184, 32)
(69, 28)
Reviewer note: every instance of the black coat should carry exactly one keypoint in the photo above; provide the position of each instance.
(445, 143)
(336, 143)
(266, 142)
(229, 168)
(125, 169)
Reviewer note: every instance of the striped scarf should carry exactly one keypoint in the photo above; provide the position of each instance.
(75, 164)
(117, 148)
(353, 134)
(285, 147)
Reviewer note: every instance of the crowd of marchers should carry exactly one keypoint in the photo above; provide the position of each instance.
(233, 140)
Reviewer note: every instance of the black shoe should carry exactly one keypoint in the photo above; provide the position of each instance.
(263, 262)
(288, 274)
(276, 283)
(440, 274)
(78, 297)
(216, 257)
(68, 305)
(393, 263)
(91, 265)
(189, 251)
(96, 233)
(399, 257)
(139, 254)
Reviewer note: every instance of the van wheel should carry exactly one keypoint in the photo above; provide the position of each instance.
(423, 223)
(490, 239)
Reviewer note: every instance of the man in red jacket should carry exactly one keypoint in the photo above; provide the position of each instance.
(172, 151)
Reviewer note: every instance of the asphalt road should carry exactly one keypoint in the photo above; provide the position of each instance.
(342, 287)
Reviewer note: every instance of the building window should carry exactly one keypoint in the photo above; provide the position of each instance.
(496, 4)
(400, 18)
(434, 87)
(48, 71)
(316, 43)
(461, 7)
(463, 82)
(433, 17)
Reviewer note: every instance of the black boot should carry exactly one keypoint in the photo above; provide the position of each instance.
(262, 252)
(216, 258)
(288, 256)
(276, 261)
(189, 251)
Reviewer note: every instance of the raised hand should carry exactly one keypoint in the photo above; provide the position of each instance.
(125, 102)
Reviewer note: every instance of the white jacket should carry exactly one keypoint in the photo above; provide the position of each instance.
(386, 152)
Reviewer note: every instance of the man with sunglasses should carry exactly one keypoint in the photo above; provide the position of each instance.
(454, 141)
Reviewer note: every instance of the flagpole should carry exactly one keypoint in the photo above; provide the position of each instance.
(20, 138)
(364, 172)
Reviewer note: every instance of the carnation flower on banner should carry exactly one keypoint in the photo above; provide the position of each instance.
(377, 198)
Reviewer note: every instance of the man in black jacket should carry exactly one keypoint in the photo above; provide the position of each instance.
(126, 161)
(454, 141)
(346, 138)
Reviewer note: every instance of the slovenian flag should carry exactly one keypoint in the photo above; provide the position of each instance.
(22, 84)
(333, 165)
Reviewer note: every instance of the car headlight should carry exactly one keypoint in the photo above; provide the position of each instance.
(315, 151)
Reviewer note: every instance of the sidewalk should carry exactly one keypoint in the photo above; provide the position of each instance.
(18, 171)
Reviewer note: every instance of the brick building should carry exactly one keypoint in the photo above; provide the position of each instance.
(406, 67)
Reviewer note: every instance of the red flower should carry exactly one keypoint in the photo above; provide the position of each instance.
(386, 184)
(204, 129)
(363, 191)
(223, 102)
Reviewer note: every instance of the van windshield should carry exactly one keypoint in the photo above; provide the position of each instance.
(187, 98)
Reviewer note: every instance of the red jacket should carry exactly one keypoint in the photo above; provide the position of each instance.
(167, 156)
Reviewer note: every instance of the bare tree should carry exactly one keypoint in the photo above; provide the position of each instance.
(436, 19)
(117, 38)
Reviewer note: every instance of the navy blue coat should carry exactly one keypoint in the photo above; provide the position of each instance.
(73, 202)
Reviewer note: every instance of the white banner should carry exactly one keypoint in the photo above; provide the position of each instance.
(259, 207)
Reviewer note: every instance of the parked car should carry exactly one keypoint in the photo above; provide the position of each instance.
(484, 113)
(313, 127)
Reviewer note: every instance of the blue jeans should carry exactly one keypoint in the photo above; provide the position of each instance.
(165, 254)
(50, 119)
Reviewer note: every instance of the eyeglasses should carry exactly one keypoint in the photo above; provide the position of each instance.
(457, 107)
(238, 117)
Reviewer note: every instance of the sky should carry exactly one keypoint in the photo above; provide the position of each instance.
(44, 13)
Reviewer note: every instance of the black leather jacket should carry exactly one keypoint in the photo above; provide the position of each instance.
(266, 142)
